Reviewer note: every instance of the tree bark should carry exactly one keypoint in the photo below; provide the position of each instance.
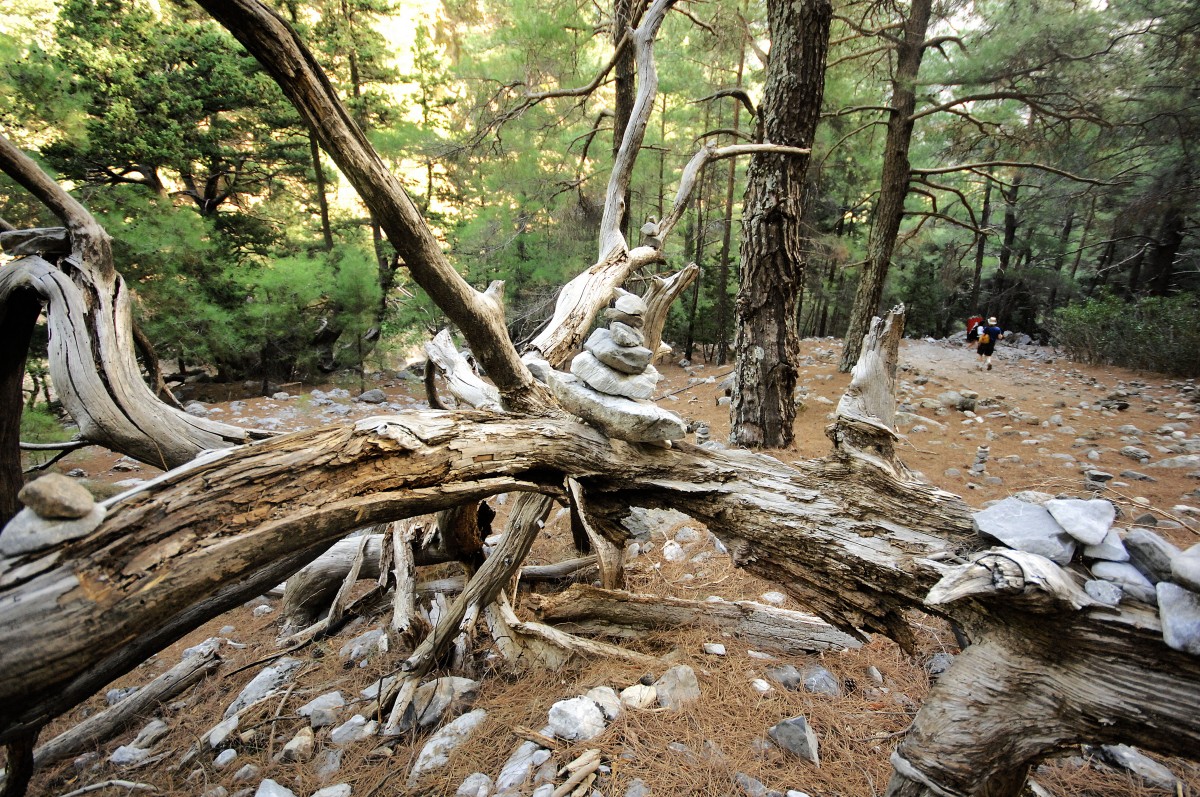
(894, 181)
(767, 344)
(19, 311)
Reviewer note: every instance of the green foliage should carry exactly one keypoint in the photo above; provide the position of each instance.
(1153, 333)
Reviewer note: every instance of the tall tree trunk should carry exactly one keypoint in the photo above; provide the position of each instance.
(625, 90)
(1164, 250)
(1007, 247)
(984, 216)
(1060, 257)
(894, 180)
(767, 345)
(722, 340)
(322, 199)
(772, 253)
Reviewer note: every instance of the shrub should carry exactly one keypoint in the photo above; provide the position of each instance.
(1153, 333)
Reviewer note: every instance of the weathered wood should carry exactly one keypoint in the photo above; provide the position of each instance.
(102, 726)
(586, 609)
(91, 355)
(464, 383)
(842, 537)
(661, 295)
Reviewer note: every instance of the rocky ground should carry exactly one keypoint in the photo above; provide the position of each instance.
(1034, 422)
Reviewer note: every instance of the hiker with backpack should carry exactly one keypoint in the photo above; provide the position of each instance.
(974, 324)
(988, 335)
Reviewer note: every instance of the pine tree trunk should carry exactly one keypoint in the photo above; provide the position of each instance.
(772, 256)
(894, 181)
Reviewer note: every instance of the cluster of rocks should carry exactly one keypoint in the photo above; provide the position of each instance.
(1137, 565)
(612, 379)
(56, 509)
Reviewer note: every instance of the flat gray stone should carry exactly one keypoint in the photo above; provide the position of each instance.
(626, 359)
(629, 303)
(797, 737)
(28, 532)
(265, 683)
(604, 379)
(1147, 769)
(1026, 527)
(786, 675)
(1184, 461)
(1104, 592)
(677, 686)
(1150, 554)
(1110, 549)
(436, 752)
(618, 417)
(57, 497)
(353, 730)
(1179, 611)
(1128, 578)
(432, 700)
(625, 335)
(1086, 520)
(1185, 569)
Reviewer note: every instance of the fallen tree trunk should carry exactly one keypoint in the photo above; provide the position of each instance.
(616, 613)
(75, 617)
(102, 726)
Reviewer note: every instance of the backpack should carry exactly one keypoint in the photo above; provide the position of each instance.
(974, 327)
(985, 338)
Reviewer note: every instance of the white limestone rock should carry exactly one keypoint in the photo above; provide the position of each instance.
(1086, 520)
(1179, 611)
(436, 752)
(618, 417)
(604, 379)
(639, 696)
(626, 359)
(265, 683)
(353, 730)
(578, 718)
(677, 687)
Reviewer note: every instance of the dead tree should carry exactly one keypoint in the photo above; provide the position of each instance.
(854, 536)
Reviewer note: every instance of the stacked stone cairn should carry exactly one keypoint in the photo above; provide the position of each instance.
(981, 457)
(1117, 565)
(612, 380)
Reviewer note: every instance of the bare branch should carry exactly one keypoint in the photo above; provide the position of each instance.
(738, 93)
(1016, 165)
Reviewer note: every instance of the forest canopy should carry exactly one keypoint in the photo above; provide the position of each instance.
(1049, 165)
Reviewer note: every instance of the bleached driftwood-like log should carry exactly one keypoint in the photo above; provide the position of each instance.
(464, 383)
(307, 594)
(592, 610)
(103, 725)
(661, 295)
(288, 496)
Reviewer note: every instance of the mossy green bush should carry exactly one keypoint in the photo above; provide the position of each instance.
(1152, 333)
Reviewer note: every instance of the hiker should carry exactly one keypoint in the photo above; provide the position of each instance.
(974, 323)
(988, 335)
